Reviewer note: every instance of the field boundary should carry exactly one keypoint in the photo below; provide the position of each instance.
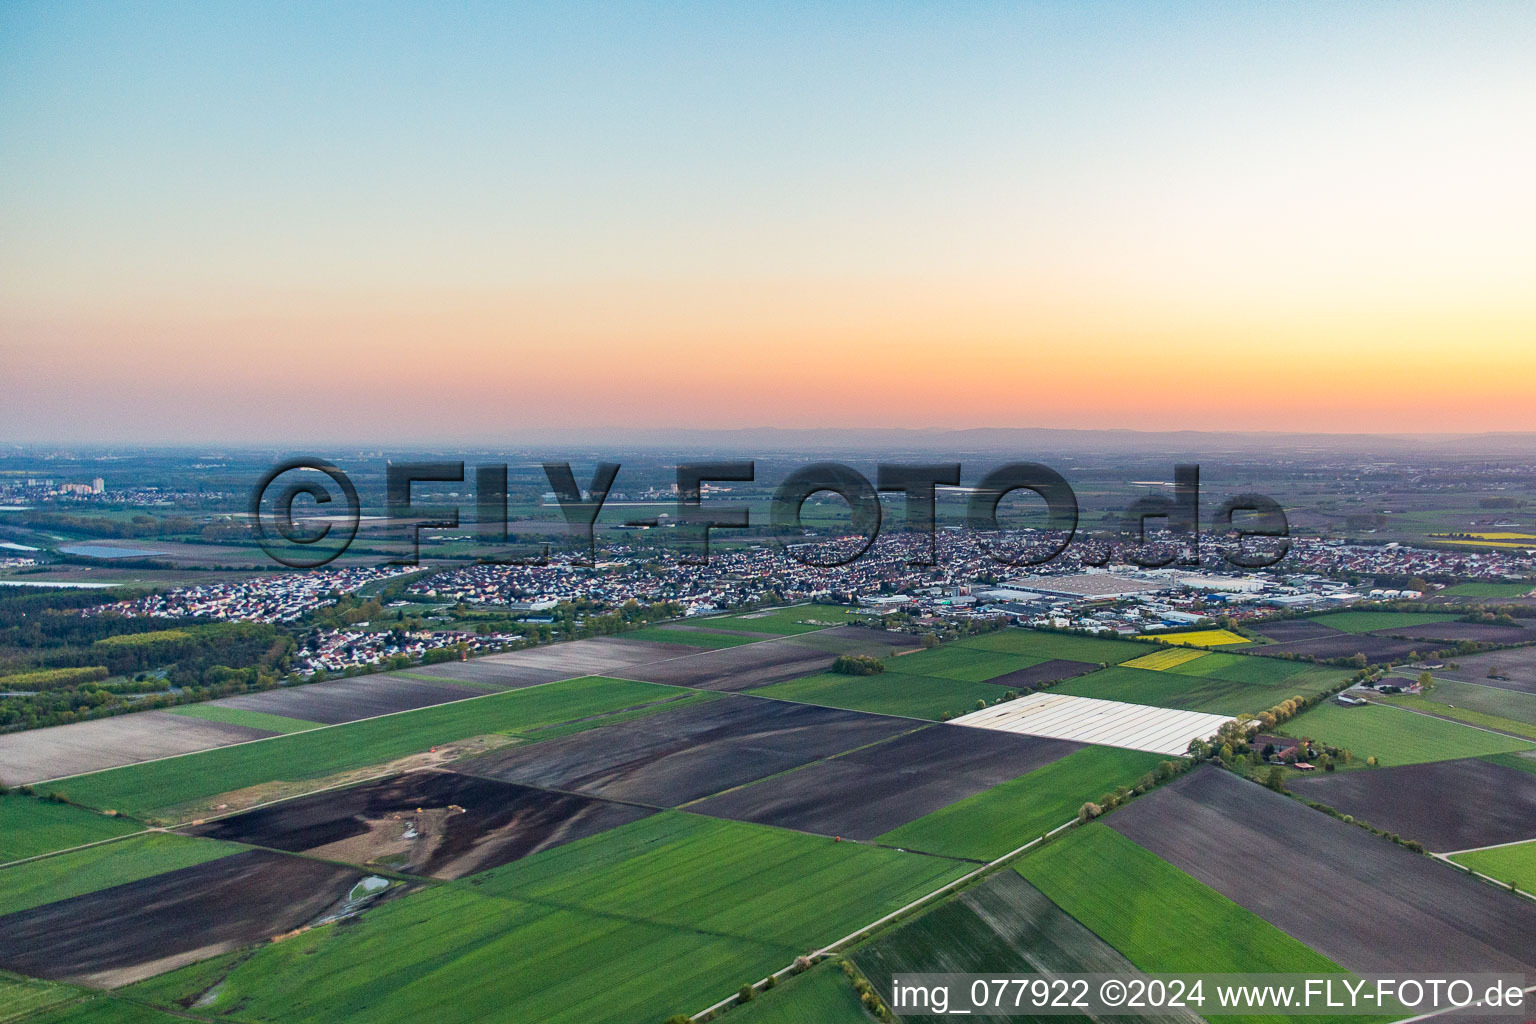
(337, 725)
(83, 846)
(1498, 882)
(859, 933)
(1490, 846)
(406, 711)
(1454, 721)
(1449, 1009)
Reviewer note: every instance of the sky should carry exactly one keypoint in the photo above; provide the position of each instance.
(385, 222)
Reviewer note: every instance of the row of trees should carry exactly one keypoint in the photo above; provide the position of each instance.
(1114, 798)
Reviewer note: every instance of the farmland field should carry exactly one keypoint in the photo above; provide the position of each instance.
(1394, 736)
(1244, 668)
(30, 827)
(888, 693)
(1003, 925)
(1478, 632)
(1369, 622)
(103, 1010)
(607, 655)
(38, 754)
(1171, 689)
(1222, 829)
(1515, 864)
(1490, 700)
(335, 701)
(435, 823)
(1158, 916)
(672, 912)
(540, 733)
(683, 755)
(958, 663)
(1446, 805)
(1491, 590)
(1066, 646)
(1158, 661)
(163, 786)
(1521, 762)
(77, 872)
(502, 959)
(879, 787)
(1286, 630)
(699, 637)
(724, 877)
(1513, 669)
(1460, 712)
(822, 995)
(1042, 674)
(804, 618)
(744, 666)
(1005, 817)
(1376, 650)
(20, 997)
(1199, 638)
(276, 724)
(170, 919)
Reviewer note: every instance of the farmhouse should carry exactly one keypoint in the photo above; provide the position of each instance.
(1275, 748)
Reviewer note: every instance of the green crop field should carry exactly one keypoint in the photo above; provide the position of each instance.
(1155, 914)
(1241, 668)
(1042, 645)
(803, 618)
(30, 827)
(501, 959)
(21, 997)
(77, 872)
(106, 1010)
(822, 995)
(1489, 589)
(1525, 762)
(991, 823)
(951, 661)
(1172, 690)
(1433, 706)
(663, 916)
(169, 783)
(249, 719)
(1394, 736)
(661, 707)
(1489, 700)
(1516, 864)
(1365, 622)
(888, 693)
(767, 884)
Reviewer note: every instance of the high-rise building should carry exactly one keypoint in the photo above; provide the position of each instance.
(98, 486)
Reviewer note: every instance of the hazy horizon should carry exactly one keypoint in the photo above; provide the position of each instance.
(892, 441)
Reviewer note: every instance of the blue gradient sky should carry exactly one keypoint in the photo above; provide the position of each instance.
(214, 217)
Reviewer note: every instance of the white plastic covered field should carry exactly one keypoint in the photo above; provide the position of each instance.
(1089, 720)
